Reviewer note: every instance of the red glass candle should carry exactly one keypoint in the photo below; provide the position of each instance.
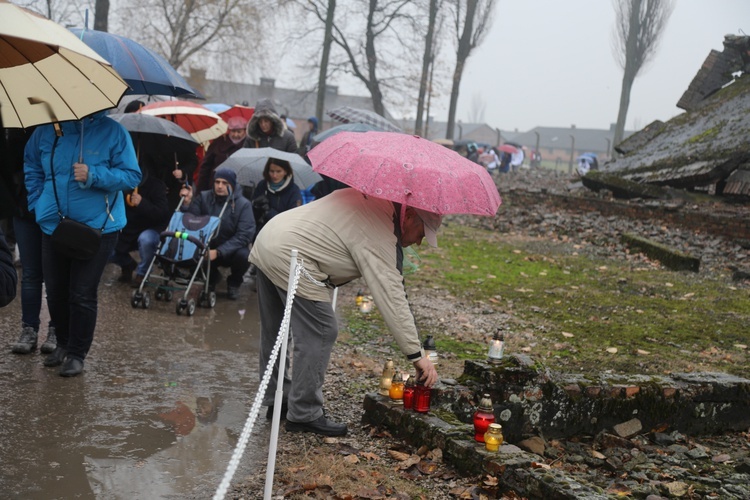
(408, 396)
(421, 398)
(483, 417)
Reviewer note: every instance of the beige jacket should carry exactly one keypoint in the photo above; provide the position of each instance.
(341, 237)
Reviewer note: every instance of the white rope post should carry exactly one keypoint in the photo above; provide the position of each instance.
(279, 397)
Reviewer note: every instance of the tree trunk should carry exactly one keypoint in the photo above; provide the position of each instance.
(372, 62)
(630, 71)
(323, 74)
(462, 54)
(427, 59)
(627, 85)
(101, 15)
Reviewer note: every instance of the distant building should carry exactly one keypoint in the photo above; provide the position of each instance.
(298, 105)
(555, 143)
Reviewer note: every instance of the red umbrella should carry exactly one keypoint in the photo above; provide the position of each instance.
(203, 124)
(237, 110)
(409, 170)
(507, 148)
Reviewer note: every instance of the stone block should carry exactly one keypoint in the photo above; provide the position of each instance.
(533, 445)
(631, 391)
(629, 428)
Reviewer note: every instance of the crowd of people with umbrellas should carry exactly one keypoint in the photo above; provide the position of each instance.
(93, 187)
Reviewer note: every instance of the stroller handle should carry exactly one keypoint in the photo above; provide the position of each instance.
(180, 235)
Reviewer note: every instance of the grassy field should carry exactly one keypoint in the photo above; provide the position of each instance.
(576, 313)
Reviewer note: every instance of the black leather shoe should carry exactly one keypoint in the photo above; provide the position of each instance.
(321, 426)
(71, 367)
(56, 358)
(269, 411)
(233, 293)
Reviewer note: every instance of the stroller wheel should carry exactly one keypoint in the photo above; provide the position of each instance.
(135, 299)
(159, 294)
(211, 299)
(168, 295)
(191, 307)
(180, 306)
(146, 300)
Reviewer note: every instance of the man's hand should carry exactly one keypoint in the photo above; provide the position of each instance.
(187, 192)
(80, 172)
(426, 372)
(212, 254)
(177, 173)
(135, 199)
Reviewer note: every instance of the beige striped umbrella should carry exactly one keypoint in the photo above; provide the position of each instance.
(200, 122)
(47, 74)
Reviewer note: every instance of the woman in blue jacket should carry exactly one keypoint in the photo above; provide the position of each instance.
(92, 160)
(276, 193)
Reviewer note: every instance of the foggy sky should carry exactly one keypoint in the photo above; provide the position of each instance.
(550, 63)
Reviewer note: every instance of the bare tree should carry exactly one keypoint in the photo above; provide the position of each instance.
(428, 59)
(324, 12)
(324, 58)
(638, 28)
(101, 15)
(183, 30)
(63, 12)
(363, 56)
(471, 25)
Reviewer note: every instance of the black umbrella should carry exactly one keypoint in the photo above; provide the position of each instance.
(154, 134)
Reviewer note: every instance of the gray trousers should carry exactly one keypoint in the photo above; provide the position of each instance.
(313, 331)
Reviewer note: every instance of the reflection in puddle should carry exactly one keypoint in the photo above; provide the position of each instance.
(156, 414)
(195, 460)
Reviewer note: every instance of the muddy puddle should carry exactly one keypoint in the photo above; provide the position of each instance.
(156, 414)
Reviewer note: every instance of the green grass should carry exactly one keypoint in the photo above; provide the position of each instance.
(680, 319)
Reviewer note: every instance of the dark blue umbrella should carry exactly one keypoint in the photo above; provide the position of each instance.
(145, 71)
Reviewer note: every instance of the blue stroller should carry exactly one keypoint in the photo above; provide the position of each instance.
(182, 257)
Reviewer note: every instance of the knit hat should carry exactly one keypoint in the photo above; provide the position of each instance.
(226, 174)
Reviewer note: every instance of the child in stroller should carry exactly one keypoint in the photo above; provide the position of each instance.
(182, 256)
(212, 230)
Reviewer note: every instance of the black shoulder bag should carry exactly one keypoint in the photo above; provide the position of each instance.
(71, 238)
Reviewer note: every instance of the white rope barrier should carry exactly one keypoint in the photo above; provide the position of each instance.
(279, 351)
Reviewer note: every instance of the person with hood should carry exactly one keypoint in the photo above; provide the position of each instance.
(230, 248)
(266, 129)
(147, 210)
(221, 149)
(77, 169)
(341, 237)
(306, 143)
(276, 193)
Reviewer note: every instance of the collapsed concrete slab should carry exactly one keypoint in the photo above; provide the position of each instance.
(705, 148)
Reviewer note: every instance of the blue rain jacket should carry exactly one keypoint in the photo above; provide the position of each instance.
(113, 167)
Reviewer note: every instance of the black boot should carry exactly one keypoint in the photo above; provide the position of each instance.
(56, 358)
(26, 342)
(126, 275)
(71, 367)
(51, 342)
